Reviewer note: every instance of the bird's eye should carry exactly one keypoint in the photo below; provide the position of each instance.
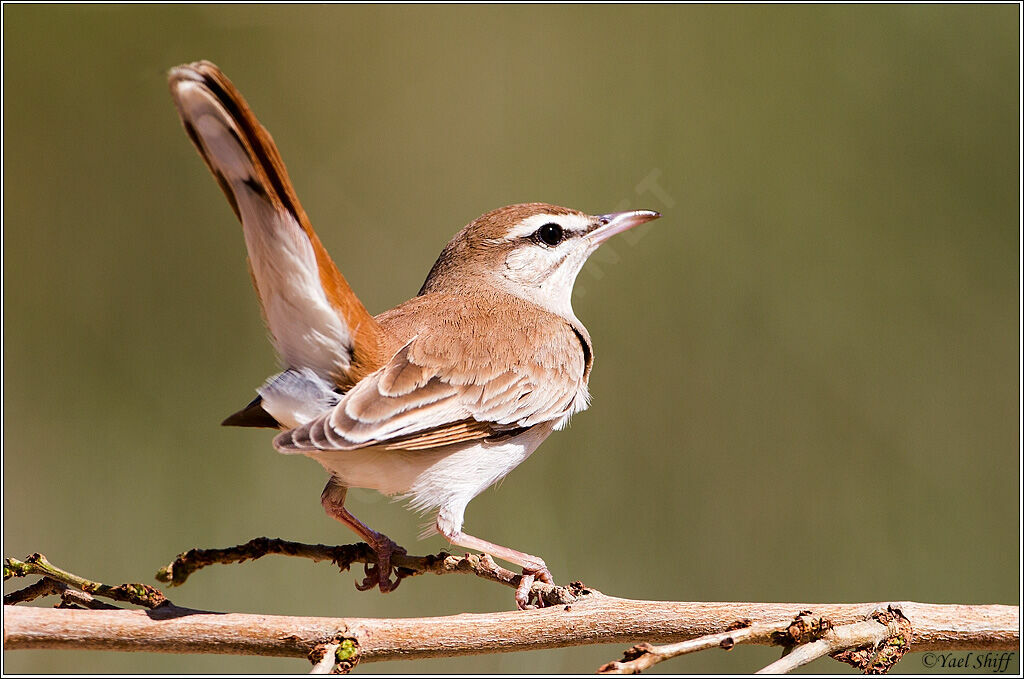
(550, 234)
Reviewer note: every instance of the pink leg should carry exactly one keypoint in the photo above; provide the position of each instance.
(333, 501)
(533, 566)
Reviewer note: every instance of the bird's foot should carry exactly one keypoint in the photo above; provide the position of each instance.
(531, 575)
(379, 574)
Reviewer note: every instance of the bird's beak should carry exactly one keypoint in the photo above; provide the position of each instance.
(617, 222)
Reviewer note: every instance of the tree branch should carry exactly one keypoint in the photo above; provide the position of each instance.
(344, 556)
(869, 634)
(39, 588)
(875, 644)
(854, 630)
(327, 661)
(594, 619)
(133, 593)
(644, 656)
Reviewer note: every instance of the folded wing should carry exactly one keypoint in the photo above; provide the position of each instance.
(422, 399)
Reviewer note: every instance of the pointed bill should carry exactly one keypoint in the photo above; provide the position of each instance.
(617, 222)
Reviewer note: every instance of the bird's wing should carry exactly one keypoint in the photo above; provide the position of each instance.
(315, 320)
(425, 397)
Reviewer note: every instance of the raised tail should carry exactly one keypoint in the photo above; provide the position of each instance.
(315, 320)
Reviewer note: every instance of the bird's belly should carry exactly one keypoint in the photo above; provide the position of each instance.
(445, 476)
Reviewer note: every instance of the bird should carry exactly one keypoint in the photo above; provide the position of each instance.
(432, 401)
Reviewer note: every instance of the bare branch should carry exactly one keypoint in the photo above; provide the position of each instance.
(593, 619)
(338, 657)
(133, 593)
(72, 598)
(40, 588)
(69, 598)
(869, 636)
(869, 633)
(644, 656)
(344, 556)
(875, 644)
(325, 665)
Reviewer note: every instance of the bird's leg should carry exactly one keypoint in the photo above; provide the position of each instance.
(534, 567)
(333, 501)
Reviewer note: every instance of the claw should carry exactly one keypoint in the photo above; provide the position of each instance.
(372, 574)
(523, 590)
(388, 585)
(544, 575)
(531, 575)
(379, 574)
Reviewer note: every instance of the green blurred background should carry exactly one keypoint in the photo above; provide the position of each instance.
(806, 385)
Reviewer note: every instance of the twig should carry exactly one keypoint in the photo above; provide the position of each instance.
(72, 598)
(344, 556)
(805, 639)
(47, 585)
(186, 563)
(338, 657)
(69, 598)
(133, 593)
(644, 656)
(325, 665)
(869, 633)
(879, 657)
(40, 588)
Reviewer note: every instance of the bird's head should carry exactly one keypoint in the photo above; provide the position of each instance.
(531, 250)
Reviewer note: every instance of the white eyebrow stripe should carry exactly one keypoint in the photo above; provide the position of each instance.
(529, 226)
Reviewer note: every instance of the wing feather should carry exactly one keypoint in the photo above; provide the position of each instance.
(424, 397)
